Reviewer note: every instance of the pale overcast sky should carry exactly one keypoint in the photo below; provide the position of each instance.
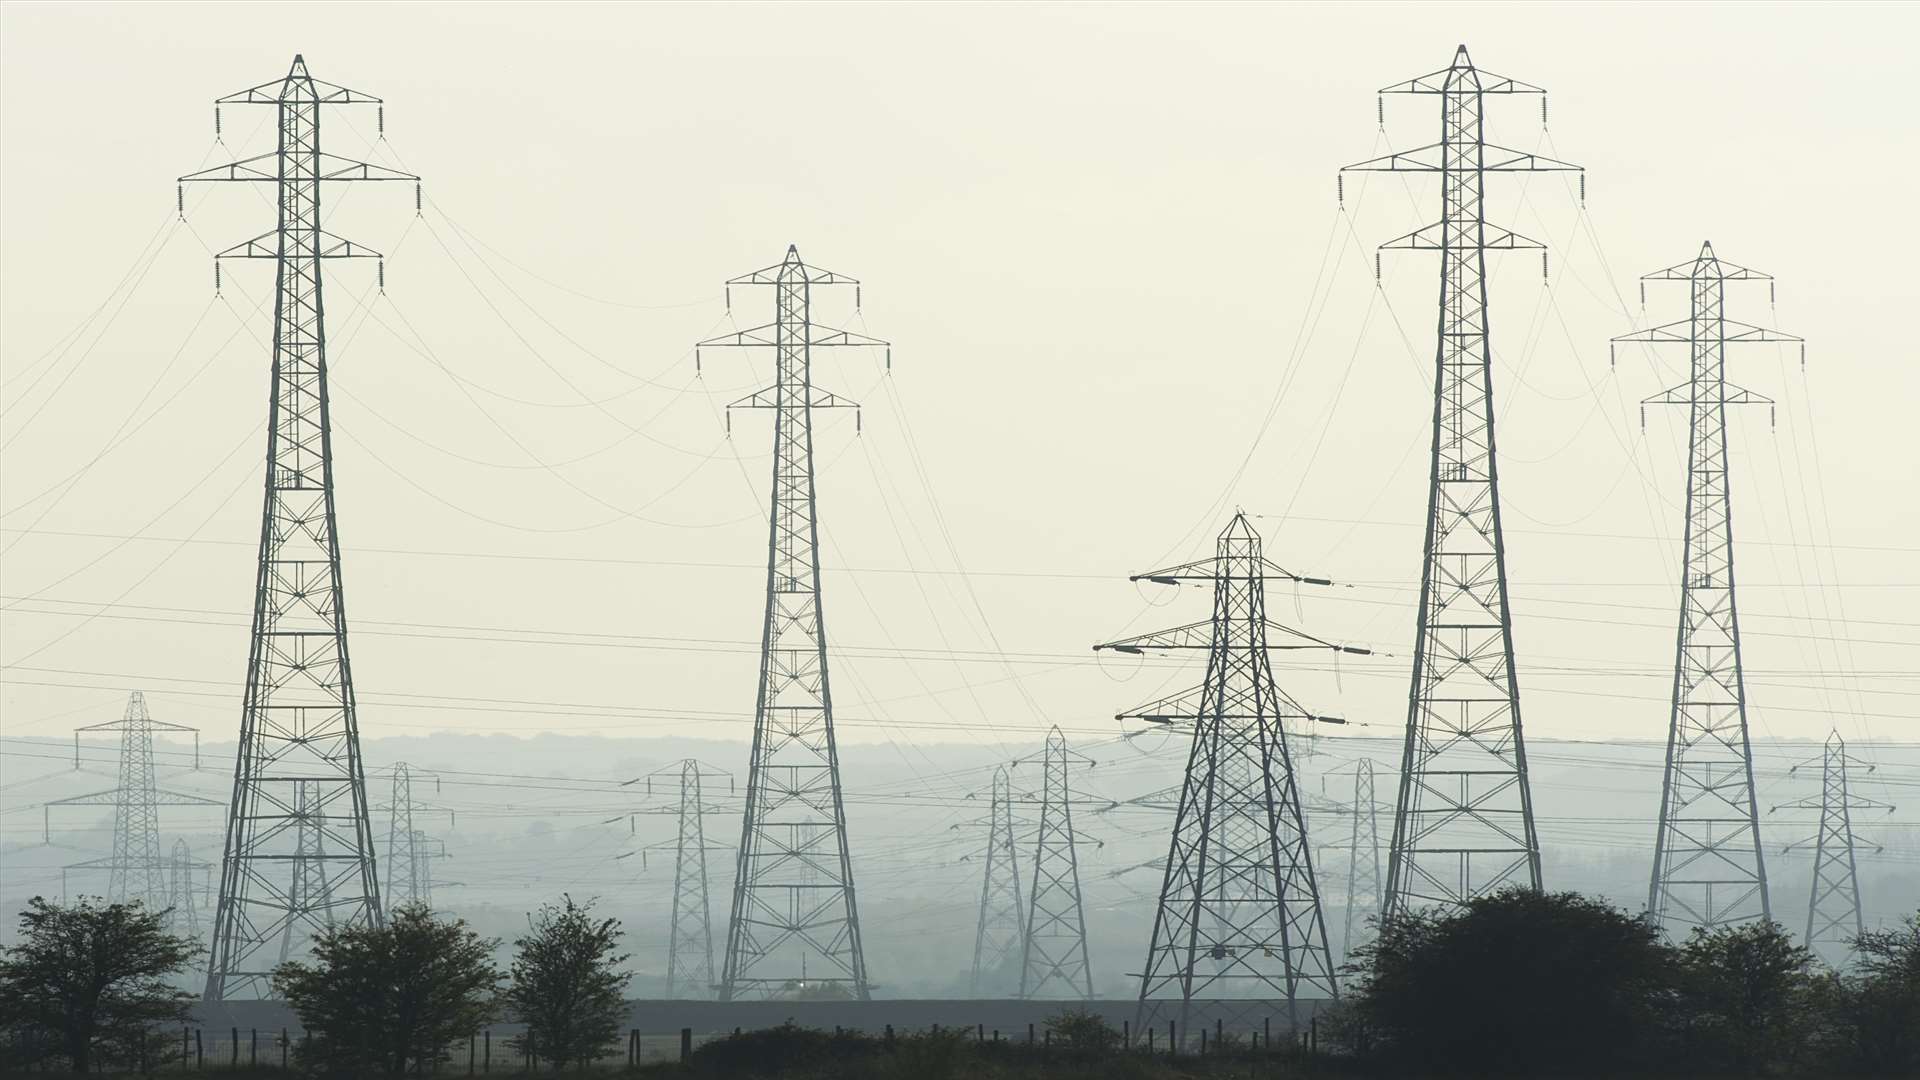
(1105, 242)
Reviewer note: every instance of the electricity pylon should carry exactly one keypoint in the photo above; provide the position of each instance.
(690, 971)
(1463, 824)
(298, 722)
(1833, 905)
(1363, 858)
(1000, 932)
(1239, 917)
(691, 975)
(310, 890)
(410, 851)
(185, 917)
(1053, 955)
(136, 871)
(793, 895)
(1707, 867)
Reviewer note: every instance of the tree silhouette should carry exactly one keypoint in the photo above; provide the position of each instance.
(88, 980)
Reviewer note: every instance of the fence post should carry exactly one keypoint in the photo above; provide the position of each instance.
(253, 1047)
(486, 1062)
(1219, 1033)
(889, 1034)
(199, 1051)
(1266, 1032)
(533, 1062)
(1313, 1034)
(1029, 1033)
(235, 1062)
(1126, 1035)
(1173, 1039)
(996, 1034)
(981, 1034)
(686, 1044)
(286, 1041)
(1203, 1040)
(1149, 1041)
(186, 1045)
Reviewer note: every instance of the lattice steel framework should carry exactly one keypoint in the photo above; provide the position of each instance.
(793, 894)
(136, 871)
(1053, 953)
(1463, 824)
(690, 973)
(409, 872)
(1834, 918)
(298, 723)
(1239, 916)
(1000, 934)
(184, 919)
(1363, 860)
(309, 866)
(1708, 869)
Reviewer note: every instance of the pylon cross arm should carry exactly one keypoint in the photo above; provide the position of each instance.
(274, 93)
(329, 246)
(1443, 81)
(1681, 332)
(1432, 158)
(1435, 237)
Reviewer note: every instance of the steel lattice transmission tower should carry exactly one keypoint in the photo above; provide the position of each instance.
(408, 874)
(1363, 858)
(310, 886)
(1053, 952)
(1707, 866)
(136, 871)
(1463, 825)
(1239, 917)
(690, 972)
(185, 919)
(793, 895)
(1000, 935)
(691, 975)
(410, 850)
(1833, 904)
(298, 724)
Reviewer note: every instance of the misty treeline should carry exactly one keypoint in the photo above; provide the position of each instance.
(1521, 983)
(87, 987)
(1514, 984)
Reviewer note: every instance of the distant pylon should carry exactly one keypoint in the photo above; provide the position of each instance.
(136, 871)
(999, 936)
(1239, 917)
(1463, 825)
(409, 873)
(1707, 867)
(298, 722)
(1363, 859)
(310, 886)
(185, 919)
(1834, 918)
(690, 974)
(793, 895)
(1053, 957)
